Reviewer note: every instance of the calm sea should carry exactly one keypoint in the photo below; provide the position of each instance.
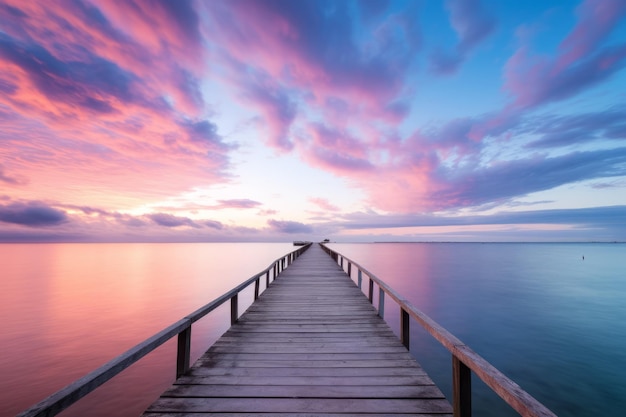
(66, 309)
(549, 319)
(552, 321)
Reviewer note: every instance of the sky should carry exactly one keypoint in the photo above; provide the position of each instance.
(185, 121)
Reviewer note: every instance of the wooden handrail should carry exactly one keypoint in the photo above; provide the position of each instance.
(67, 396)
(464, 359)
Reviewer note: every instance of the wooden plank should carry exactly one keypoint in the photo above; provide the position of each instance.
(310, 345)
(290, 405)
(302, 371)
(304, 391)
(306, 357)
(306, 380)
(305, 414)
(319, 349)
(278, 363)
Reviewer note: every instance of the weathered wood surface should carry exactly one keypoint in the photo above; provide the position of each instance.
(311, 345)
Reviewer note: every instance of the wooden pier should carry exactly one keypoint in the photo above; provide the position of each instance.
(310, 345)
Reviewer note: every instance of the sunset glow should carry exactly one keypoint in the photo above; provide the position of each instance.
(281, 120)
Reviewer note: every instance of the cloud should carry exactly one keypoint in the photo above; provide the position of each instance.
(311, 57)
(94, 83)
(521, 177)
(169, 220)
(334, 150)
(34, 214)
(289, 227)
(278, 109)
(324, 204)
(268, 212)
(117, 89)
(213, 224)
(241, 203)
(582, 59)
(9, 179)
(567, 130)
(472, 24)
(608, 216)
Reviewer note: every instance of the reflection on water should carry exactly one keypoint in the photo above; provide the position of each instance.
(551, 321)
(66, 309)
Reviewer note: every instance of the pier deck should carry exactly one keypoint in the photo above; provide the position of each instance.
(311, 345)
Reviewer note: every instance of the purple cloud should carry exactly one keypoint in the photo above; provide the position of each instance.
(89, 83)
(213, 224)
(334, 149)
(327, 39)
(278, 108)
(182, 17)
(205, 132)
(582, 60)
(242, 203)
(289, 227)
(311, 54)
(169, 220)
(609, 216)
(517, 178)
(9, 179)
(33, 214)
(472, 24)
(555, 131)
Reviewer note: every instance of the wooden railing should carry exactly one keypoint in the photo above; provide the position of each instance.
(67, 396)
(464, 359)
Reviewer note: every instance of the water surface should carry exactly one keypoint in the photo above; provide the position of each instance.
(66, 309)
(552, 321)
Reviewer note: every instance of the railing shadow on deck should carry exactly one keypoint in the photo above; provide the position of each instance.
(67, 396)
(464, 359)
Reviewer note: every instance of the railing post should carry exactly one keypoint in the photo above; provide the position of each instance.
(234, 313)
(267, 279)
(371, 291)
(381, 302)
(256, 288)
(184, 351)
(461, 388)
(360, 279)
(342, 262)
(405, 334)
(350, 269)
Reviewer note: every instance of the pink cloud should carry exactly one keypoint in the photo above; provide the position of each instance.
(108, 103)
(333, 149)
(582, 59)
(124, 33)
(596, 20)
(324, 204)
(10, 179)
(310, 60)
(276, 106)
